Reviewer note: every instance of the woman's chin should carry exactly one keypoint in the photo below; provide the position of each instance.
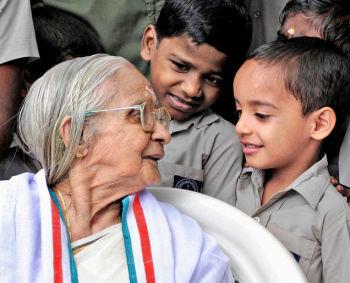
(152, 178)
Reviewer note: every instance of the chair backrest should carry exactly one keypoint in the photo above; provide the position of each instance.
(256, 255)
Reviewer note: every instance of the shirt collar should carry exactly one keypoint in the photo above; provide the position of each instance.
(202, 119)
(311, 185)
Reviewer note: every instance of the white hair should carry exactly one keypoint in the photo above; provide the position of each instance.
(70, 89)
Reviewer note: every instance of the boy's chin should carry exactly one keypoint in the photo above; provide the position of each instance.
(182, 116)
(179, 116)
(253, 164)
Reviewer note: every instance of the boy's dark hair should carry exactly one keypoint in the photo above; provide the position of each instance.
(317, 74)
(331, 19)
(223, 24)
(60, 35)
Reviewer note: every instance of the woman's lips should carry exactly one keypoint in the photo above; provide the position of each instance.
(154, 157)
(180, 104)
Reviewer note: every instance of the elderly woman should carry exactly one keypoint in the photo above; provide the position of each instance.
(92, 124)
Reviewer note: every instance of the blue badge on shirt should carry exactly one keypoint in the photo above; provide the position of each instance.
(297, 257)
(187, 184)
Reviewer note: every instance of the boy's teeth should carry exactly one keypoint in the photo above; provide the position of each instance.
(251, 146)
(179, 100)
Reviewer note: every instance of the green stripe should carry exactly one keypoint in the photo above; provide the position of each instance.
(127, 243)
(73, 267)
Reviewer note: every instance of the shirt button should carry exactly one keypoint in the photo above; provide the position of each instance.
(257, 14)
(257, 219)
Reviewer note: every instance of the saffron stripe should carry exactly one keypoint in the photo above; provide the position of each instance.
(127, 242)
(144, 237)
(57, 249)
(72, 265)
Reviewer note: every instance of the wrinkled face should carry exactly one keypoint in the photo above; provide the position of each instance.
(121, 149)
(186, 77)
(297, 25)
(271, 127)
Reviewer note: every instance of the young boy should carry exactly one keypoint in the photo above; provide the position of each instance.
(193, 49)
(329, 20)
(291, 96)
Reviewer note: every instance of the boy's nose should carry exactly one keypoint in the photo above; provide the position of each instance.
(192, 86)
(242, 126)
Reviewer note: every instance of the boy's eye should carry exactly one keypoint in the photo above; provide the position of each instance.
(180, 66)
(262, 116)
(214, 80)
(239, 113)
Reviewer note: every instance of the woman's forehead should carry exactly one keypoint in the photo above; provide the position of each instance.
(131, 89)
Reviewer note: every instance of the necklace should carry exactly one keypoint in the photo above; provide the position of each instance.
(64, 210)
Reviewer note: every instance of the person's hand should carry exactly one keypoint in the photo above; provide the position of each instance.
(345, 191)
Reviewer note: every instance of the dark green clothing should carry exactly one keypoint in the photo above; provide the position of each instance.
(120, 23)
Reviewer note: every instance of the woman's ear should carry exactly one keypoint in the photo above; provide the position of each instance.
(323, 122)
(148, 43)
(64, 130)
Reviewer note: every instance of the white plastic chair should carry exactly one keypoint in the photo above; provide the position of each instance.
(256, 255)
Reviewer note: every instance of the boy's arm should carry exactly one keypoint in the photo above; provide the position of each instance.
(223, 167)
(10, 85)
(17, 44)
(335, 250)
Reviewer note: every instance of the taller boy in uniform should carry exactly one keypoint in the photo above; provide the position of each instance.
(194, 49)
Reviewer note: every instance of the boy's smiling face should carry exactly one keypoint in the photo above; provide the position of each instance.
(186, 77)
(272, 129)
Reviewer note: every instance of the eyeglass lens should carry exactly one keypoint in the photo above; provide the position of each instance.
(149, 115)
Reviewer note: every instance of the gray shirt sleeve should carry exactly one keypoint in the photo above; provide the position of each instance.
(336, 249)
(16, 31)
(223, 167)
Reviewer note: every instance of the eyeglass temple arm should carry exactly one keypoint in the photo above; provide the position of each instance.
(136, 107)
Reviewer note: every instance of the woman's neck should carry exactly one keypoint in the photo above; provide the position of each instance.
(87, 210)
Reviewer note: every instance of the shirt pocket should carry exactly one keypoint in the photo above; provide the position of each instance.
(181, 176)
(301, 248)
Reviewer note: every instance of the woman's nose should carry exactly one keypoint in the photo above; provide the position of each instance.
(160, 133)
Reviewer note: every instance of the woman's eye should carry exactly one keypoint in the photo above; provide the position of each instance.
(262, 116)
(134, 115)
(180, 66)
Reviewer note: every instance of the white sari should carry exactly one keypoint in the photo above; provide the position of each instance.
(161, 244)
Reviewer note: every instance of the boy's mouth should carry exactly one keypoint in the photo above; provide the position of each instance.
(181, 104)
(249, 148)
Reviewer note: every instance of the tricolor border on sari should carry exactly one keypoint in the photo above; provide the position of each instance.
(138, 247)
(60, 239)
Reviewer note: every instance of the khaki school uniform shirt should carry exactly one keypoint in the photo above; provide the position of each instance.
(17, 36)
(310, 218)
(204, 155)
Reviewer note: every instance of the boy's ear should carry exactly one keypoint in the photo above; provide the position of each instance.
(148, 42)
(323, 122)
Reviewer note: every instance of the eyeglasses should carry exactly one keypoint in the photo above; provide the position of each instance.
(148, 115)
